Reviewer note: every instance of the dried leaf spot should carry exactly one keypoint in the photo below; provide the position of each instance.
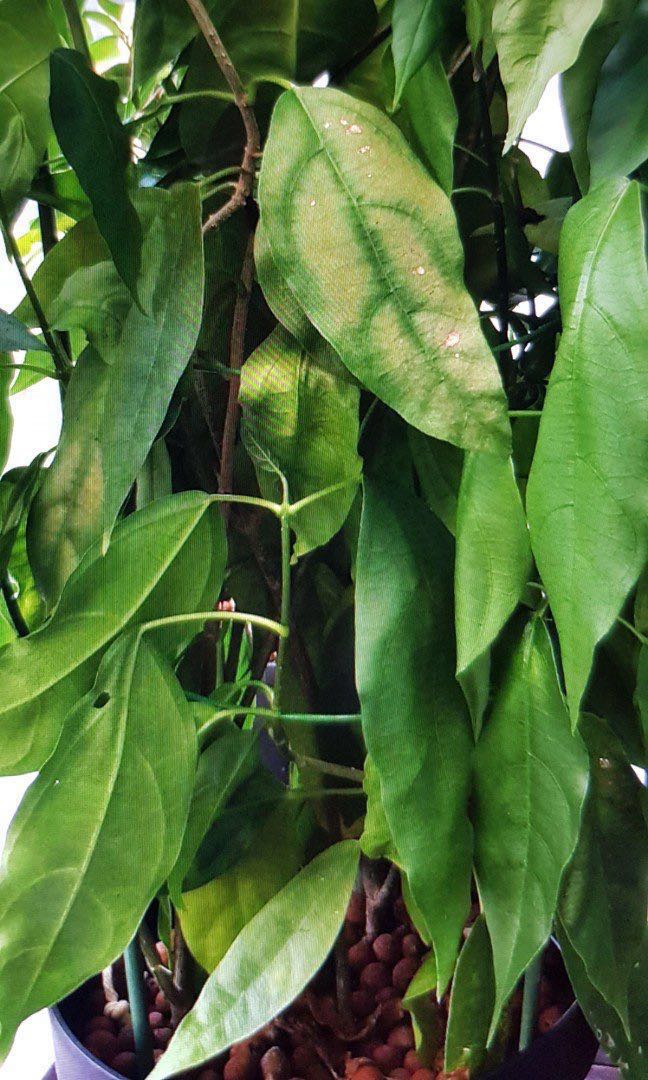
(354, 129)
(327, 125)
(345, 123)
(452, 340)
(364, 149)
(313, 202)
(419, 271)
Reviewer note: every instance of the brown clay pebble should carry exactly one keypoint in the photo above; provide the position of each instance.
(392, 1014)
(548, 1017)
(155, 1019)
(412, 1061)
(386, 994)
(100, 1023)
(387, 1057)
(377, 975)
(302, 1058)
(157, 1054)
(352, 932)
(386, 948)
(399, 1074)
(423, 1074)
(241, 1066)
(162, 952)
(411, 945)
(361, 1003)
(125, 1064)
(356, 909)
(274, 1065)
(103, 1044)
(360, 955)
(401, 1037)
(368, 1072)
(404, 972)
(207, 1074)
(126, 1039)
(317, 1072)
(163, 1036)
(161, 1004)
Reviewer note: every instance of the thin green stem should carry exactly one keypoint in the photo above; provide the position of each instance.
(215, 616)
(209, 193)
(633, 630)
(206, 729)
(58, 354)
(133, 961)
(473, 190)
(11, 600)
(77, 29)
(285, 594)
(248, 500)
(31, 367)
(220, 174)
(293, 509)
(329, 768)
(178, 99)
(470, 153)
(525, 412)
(531, 336)
(530, 1000)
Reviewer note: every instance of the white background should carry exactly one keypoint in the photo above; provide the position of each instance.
(37, 420)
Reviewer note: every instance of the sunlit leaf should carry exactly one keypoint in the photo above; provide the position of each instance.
(418, 26)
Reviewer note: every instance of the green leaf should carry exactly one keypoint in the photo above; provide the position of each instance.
(380, 275)
(28, 36)
(273, 958)
(221, 768)
(618, 133)
(428, 118)
(119, 391)
(420, 1002)
(14, 336)
(213, 915)
(530, 780)
(493, 562)
(438, 467)
(166, 559)
(578, 84)
(413, 713)
(472, 1001)
(154, 480)
(27, 376)
(300, 409)
(587, 491)
(16, 492)
(6, 418)
(479, 27)
(97, 146)
(376, 839)
(534, 43)
(602, 904)
(70, 900)
(417, 28)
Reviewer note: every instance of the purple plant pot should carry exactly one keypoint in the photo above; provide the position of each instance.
(72, 1060)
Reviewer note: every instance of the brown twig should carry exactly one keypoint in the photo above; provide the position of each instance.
(237, 354)
(245, 182)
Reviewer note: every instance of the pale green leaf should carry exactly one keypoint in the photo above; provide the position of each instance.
(535, 42)
(530, 781)
(587, 497)
(415, 720)
(380, 275)
(270, 962)
(121, 387)
(420, 1002)
(417, 28)
(472, 1000)
(96, 833)
(300, 409)
(166, 559)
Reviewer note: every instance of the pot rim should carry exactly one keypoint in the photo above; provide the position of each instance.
(57, 1018)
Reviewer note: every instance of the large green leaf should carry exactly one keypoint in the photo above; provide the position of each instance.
(618, 133)
(273, 958)
(530, 781)
(300, 411)
(578, 84)
(121, 387)
(479, 27)
(534, 42)
(14, 336)
(84, 113)
(472, 1001)
(587, 497)
(417, 28)
(428, 118)
(439, 466)
(414, 717)
(492, 565)
(97, 832)
(603, 898)
(168, 558)
(380, 275)
(28, 36)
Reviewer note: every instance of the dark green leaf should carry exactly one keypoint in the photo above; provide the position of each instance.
(417, 28)
(16, 492)
(472, 1001)
(168, 558)
(378, 274)
(587, 490)
(535, 42)
(618, 132)
(154, 480)
(97, 146)
(603, 898)
(428, 118)
(272, 959)
(530, 780)
(72, 892)
(438, 467)
(28, 35)
(14, 336)
(376, 839)
(120, 391)
(414, 718)
(479, 26)
(6, 419)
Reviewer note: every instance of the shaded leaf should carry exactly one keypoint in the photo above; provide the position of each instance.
(413, 714)
(154, 480)
(381, 278)
(84, 113)
(119, 393)
(530, 780)
(271, 961)
(417, 28)
(300, 409)
(168, 558)
(14, 335)
(603, 897)
(438, 467)
(618, 132)
(28, 36)
(420, 1002)
(376, 839)
(587, 494)
(472, 1001)
(493, 563)
(428, 118)
(479, 27)
(72, 893)
(27, 376)
(535, 42)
